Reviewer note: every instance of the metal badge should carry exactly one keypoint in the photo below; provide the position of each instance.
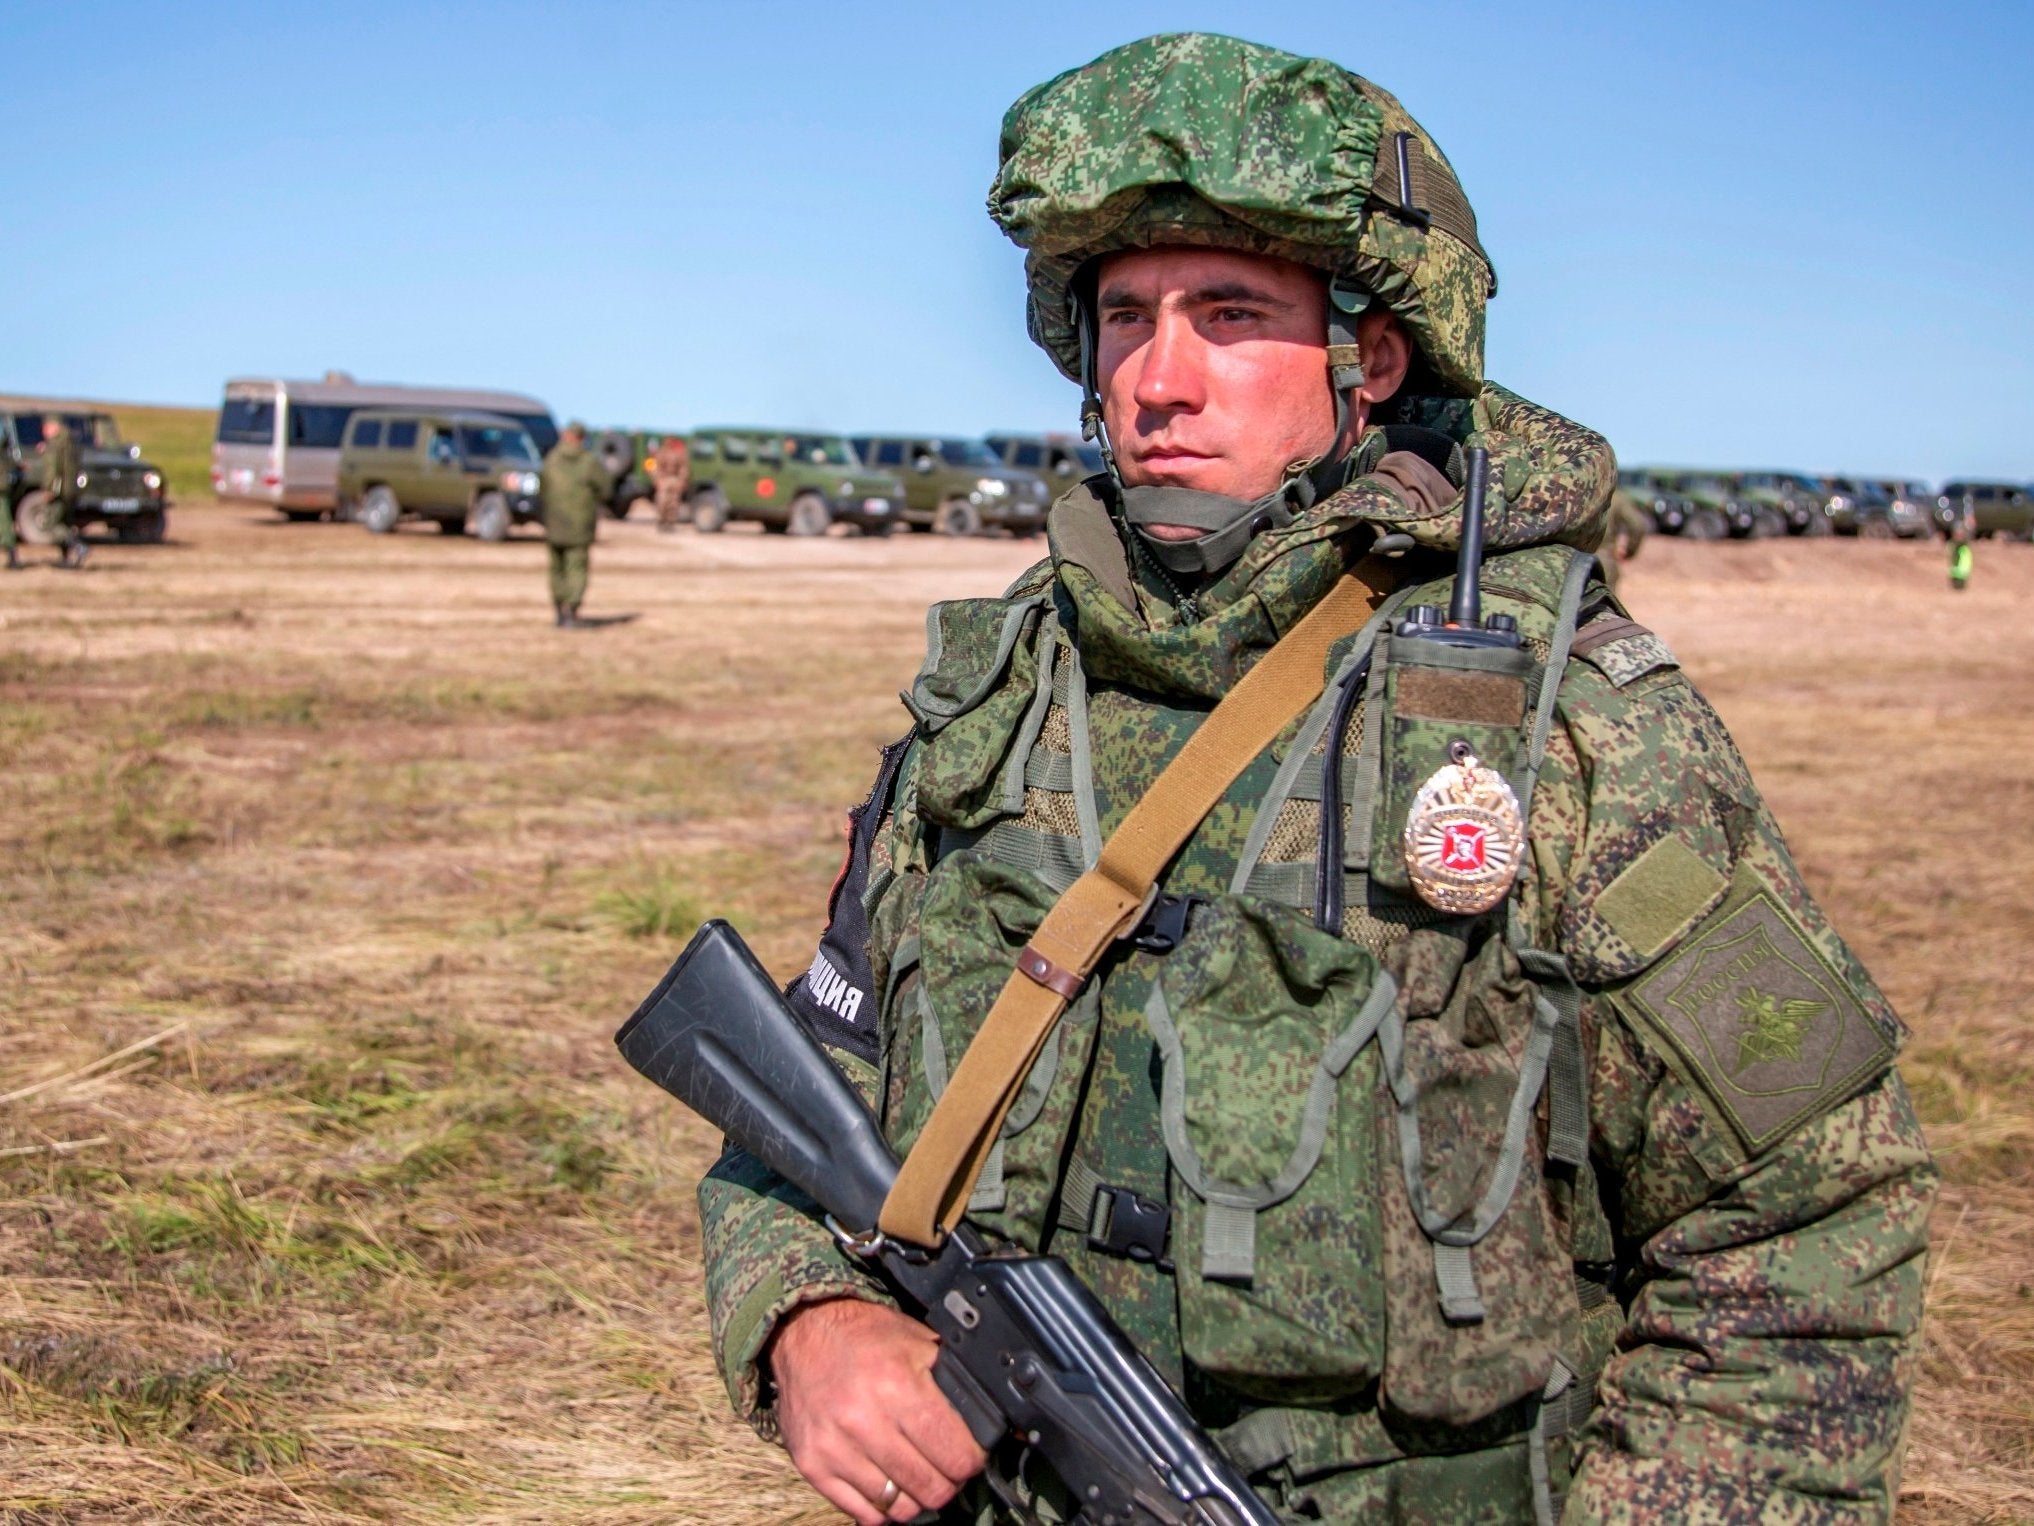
(1464, 836)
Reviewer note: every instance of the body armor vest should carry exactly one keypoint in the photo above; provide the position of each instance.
(1334, 1179)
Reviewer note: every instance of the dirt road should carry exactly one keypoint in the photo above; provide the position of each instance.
(362, 862)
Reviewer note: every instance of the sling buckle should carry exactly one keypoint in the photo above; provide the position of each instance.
(1128, 1224)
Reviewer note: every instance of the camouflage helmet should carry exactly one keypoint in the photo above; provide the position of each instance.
(1196, 139)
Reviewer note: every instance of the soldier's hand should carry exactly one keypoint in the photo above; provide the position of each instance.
(859, 1411)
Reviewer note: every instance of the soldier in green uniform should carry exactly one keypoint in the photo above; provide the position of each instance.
(8, 539)
(1624, 534)
(1592, 1195)
(575, 488)
(60, 481)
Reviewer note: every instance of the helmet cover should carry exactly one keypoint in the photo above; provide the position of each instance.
(1207, 141)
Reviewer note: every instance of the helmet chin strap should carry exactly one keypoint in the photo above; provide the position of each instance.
(1228, 524)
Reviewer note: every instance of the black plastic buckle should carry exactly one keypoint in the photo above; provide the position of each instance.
(1128, 1224)
(1165, 924)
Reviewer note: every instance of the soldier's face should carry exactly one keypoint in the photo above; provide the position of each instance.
(1213, 368)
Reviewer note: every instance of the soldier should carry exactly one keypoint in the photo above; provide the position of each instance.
(1962, 546)
(672, 467)
(1624, 534)
(1543, 1162)
(575, 489)
(60, 481)
(7, 536)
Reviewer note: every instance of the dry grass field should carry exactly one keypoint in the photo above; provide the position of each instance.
(328, 868)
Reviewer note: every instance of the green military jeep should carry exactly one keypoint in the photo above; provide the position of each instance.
(790, 482)
(1786, 501)
(1669, 511)
(116, 487)
(1062, 460)
(465, 472)
(1996, 508)
(957, 487)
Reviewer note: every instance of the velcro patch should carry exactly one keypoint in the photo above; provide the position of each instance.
(1759, 1021)
(1492, 699)
(1630, 652)
(1663, 890)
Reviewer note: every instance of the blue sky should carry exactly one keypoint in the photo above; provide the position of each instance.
(1776, 234)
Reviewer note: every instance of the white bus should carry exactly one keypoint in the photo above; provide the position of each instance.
(278, 441)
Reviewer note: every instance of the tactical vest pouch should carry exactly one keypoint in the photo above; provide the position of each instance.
(1263, 1024)
(1461, 1150)
(970, 699)
(1436, 696)
(973, 918)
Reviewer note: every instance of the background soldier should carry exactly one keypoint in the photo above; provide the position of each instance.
(1595, 1194)
(1962, 546)
(8, 542)
(672, 467)
(60, 481)
(1622, 538)
(575, 489)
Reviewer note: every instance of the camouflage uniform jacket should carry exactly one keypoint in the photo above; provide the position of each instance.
(575, 491)
(60, 466)
(1724, 1266)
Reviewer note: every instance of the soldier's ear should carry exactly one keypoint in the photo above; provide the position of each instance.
(1387, 354)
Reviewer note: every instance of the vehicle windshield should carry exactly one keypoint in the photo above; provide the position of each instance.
(94, 431)
(542, 429)
(1704, 487)
(819, 449)
(496, 442)
(1090, 456)
(967, 453)
(247, 421)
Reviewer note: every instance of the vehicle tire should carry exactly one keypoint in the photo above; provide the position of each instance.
(490, 518)
(1766, 524)
(617, 453)
(379, 510)
(143, 530)
(1819, 524)
(1878, 527)
(809, 515)
(958, 517)
(709, 511)
(1705, 524)
(35, 519)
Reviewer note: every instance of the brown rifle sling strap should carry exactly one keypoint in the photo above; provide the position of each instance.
(938, 1176)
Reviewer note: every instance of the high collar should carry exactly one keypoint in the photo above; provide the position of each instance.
(1550, 483)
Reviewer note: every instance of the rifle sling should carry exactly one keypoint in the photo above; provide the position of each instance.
(938, 1176)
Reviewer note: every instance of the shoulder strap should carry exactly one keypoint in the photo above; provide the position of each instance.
(938, 1176)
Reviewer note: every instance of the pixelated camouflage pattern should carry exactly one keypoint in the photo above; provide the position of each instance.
(1766, 1305)
(1202, 140)
(1256, 994)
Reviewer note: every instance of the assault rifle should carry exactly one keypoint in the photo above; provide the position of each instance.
(1027, 1356)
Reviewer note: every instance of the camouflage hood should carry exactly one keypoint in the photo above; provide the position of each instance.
(1196, 139)
(1550, 484)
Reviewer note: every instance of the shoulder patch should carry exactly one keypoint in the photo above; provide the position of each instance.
(1757, 1021)
(1621, 649)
